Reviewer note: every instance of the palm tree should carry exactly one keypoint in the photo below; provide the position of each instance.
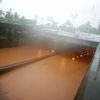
(16, 16)
(9, 15)
(68, 23)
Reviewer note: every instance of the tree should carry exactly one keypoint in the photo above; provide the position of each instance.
(9, 15)
(67, 26)
(16, 16)
(68, 23)
(51, 23)
(87, 27)
(22, 20)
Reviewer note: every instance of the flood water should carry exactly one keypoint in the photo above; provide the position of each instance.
(18, 54)
(54, 78)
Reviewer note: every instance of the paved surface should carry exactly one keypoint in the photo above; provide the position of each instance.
(54, 78)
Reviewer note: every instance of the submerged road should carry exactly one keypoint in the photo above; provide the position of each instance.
(22, 53)
(55, 78)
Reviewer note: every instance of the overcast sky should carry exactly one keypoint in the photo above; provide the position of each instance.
(61, 10)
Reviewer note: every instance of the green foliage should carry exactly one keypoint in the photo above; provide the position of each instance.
(67, 26)
(14, 18)
(51, 23)
(87, 27)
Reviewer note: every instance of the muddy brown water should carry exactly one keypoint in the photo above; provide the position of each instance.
(18, 54)
(54, 78)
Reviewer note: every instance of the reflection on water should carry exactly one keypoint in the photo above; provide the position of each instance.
(73, 58)
(77, 57)
(87, 53)
(52, 51)
(62, 64)
(81, 55)
(39, 53)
